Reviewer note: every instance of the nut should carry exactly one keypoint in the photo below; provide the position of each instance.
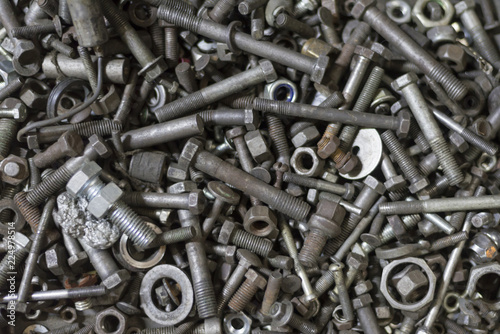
(14, 169)
(453, 55)
(305, 162)
(398, 11)
(261, 221)
(327, 218)
(257, 146)
(423, 22)
(99, 205)
(106, 321)
(442, 34)
(281, 90)
(410, 285)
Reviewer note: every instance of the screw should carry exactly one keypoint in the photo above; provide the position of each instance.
(282, 314)
(223, 194)
(287, 22)
(468, 135)
(69, 144)
(246, 259)
(216, 91)
(366, 11)
(323, 225)
(230, 233)
(412, 174)
(218, 32)
(473, 25)
(129, 303)
(151, 67)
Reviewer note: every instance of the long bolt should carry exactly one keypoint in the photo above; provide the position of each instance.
(321, 185)
(314, 67)
(345, 300)
(367, 11)
(203, 97)
(430, 128)
(74, 293)
(192, 201)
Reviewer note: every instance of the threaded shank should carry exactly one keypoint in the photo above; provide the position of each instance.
(447, 161)
(69, 329)
(32, 31)
(242, 296)
(291, 206)
(302, 325)
(407, 207)
(404, 161)
(205, 299)
(449, 241)
(171, 45)
(30, 212)
(179, 18)
(472, 138)
(278, 136)
(324, 283)
(102, 128)
(5, 265)
(173, 236)
(157, 35)
(49, 186)
(8, 128)
(221, 10)
(455, 88)
(311, 250)
(181, 107)
(258, 245)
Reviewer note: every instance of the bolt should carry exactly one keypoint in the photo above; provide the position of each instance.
(282, 314)
(323, 225)
(173, 236)
(346, 190)
(21, 251)
(29, 211)
(186, 76)
(11, 87)
(171, 43)
(280, 169)
(34, 252)
(304, 6)
(393, 180)
(407, 326)
(473, 25)
(237, 135)
(88, 328)
(340, 284)
(412, 174)
(231, 233)
(218, 32)
(128, 304)
(246, 259)
(448, 241)
(365, 10)
(151, 67)
(253, 283)
(223, 194)
(272, 291)
(157, 33)
(88, 65)
(193, 201)
(221, 10)
(52, 42)
(198, 263)
(287, 22)
(279, 139)
(248, 6)
(366, 316)
(69, 144)
(439, 222)
(203, 97)
(468, 135)
(327, 27)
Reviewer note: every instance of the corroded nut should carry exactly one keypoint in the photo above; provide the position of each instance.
(99, 205)
(107, 320)
(257, 146)
(453, 55)
(306, 136)
(305, 162)
(14, 169)
(261, 221)
(281, 90)
(35, 94)
(423, 22)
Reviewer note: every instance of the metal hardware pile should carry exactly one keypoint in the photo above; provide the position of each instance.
(224, 166)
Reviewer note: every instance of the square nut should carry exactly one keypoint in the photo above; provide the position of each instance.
(100, 204)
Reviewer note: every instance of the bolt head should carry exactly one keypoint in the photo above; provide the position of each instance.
(367, 53)
(78, 260)
(191, 149)
(223, 192)
(362, 301)
(363, 287)
(79, 181)
(196, 202)
(248, 259)
(281, 313)
(16, 108)
(328, 217)
(356, 261)
(235, 132)
(252, 119)
(418, 185)
(175, 173)
(256, 278)
(326, 149)
(374, 184)
(14, 169)
(182, 187)
(404, 80)
(99, 145)
(395, 183)
(350, 163)
(404, 124)
(226, 231)
(102, 202)
(268, 69)
(71, 143)
(116, 279)
(319, 68)
(361, 7)
(464, 5)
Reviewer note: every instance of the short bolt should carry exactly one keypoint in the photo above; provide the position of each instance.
(428, 124)
(230, 233)
(32, 31)
(282, 314)
(69, 144)
(223, 195)
(394, 181)
(52, 42)
(252, 284)
(11, 87)
(193, 201)
(77, 256)
(237, 135)
(367, 11)
(173, 236)
(246, 260)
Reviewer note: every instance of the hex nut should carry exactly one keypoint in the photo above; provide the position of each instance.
(306, 136)
(99, 205)
(409, 285)
(79, 181)
(99, 145)
(14, 169)
(453, 55)
(483, 248)
(261, 221)
(423, 22)
(327, 147)
(306, 162)
(398, 11)
(103, 321)
(363, 287)
(35, 94)
(257, 146)
(281, 90)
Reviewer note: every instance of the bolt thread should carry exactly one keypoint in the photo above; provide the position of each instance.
(472, 154)
(391, 208)
(302, 8)
(302, 325)
(64, 49)
(178, 5)
(440, 185)
(449, 240)
(324, 283)
(196, 175)
(398, 195)
(49, 186)
(86, 330)
(181, 107)
(484, 45)
(472, 138)
(369, 90)
(83, 305)
(173, 236)
(407, 326)
(447, 161)
(387, 234)
(30, 212)
(86, 291)
(32, 31)
(334, 244)
(8, 192)
(171, 44)
(5, 265)
(402, 158)
(243, 296)
(239, 102)
(162, 330)
(205, 299)
(258, 245)
(457, 219)
(221, 10)
(285, 21)
(129, 222)
(179, 17)
(158, 37)
(8, 128)
(455, 88)
(7, 91)
(299, 180)
(335, 100)
(89, 68)
(311, 250)
(418, 137)
(291, 206)
(454, 327)
(48, 6)
(114, 16)
(278, 136)
(69, 329)
(103, 128)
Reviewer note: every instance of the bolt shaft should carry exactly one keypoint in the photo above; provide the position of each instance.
(243, 296)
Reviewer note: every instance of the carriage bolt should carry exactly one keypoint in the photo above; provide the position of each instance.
(408, 86)
(218, 32)
(223, 194)
(151, 67)
(246, 259)
(215, 92)
(217, 168)
(367, 11)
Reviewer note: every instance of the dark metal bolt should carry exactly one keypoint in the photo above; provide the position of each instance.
(253, 283)
(129, 303)
(223, 194)
(287, 22)
(69, 144)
